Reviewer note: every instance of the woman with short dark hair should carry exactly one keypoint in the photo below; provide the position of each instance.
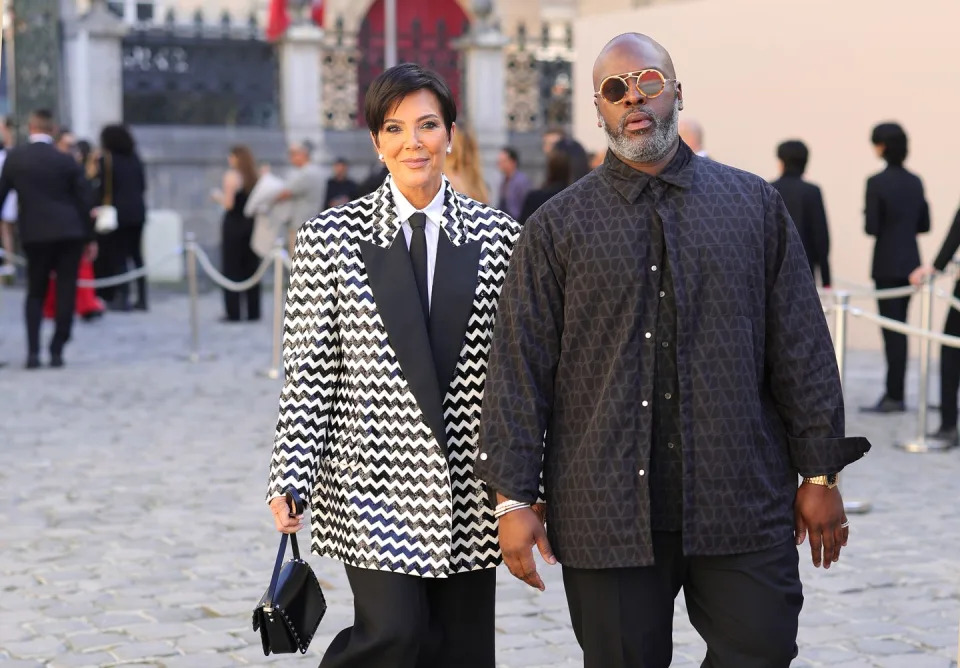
(123, 184)
(389, 318)
(896, 212)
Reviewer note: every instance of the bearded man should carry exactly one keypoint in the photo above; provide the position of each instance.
(661, 362)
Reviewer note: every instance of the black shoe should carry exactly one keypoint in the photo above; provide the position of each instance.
(33, 362)
(885, 405)
(949, 435)
(90, 316)
(120, 307)
(228, 319)
(140, 306)
(56, 361)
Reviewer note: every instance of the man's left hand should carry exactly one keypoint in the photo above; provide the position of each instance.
(818, 511)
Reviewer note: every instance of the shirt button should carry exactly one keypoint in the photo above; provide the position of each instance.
(648, 335)
(642, 473)
(670, 445)
(668, 396)
(665, 344)
(483, 456)
(644, 403)
(653, 268)
(663, 294)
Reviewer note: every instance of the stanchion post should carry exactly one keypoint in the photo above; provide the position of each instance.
(191, 250)
(841, 309)
(275, 357)
(923, 443)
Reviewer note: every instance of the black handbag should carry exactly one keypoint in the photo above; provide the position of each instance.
(291, 609)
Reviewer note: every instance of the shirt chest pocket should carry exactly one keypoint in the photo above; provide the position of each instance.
(727, 285)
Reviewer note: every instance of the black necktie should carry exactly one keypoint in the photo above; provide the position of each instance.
(418, 257)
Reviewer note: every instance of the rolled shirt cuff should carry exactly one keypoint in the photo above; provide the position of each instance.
(822, 456)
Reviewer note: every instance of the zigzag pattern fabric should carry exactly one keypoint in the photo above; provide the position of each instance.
(350, 435)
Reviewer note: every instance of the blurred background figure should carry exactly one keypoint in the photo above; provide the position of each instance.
(805, 204)
(464, 169)
(896, 212)
(691, 132)
(66, 141)
(579, 163)
(121, 181)
(8, 208)
(515, 184)
(304, 189)
(340, 187)
(558, 178)
(596, 158)
(88, 305)
(239, 262)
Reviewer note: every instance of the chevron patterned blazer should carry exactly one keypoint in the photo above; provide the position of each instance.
(379, 417)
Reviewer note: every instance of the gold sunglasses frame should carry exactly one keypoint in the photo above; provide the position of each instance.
(626, 77)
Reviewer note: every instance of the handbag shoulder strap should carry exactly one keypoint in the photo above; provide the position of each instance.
(107, 178)
(296, 507)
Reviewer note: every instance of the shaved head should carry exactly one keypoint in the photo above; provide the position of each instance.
(643, 51)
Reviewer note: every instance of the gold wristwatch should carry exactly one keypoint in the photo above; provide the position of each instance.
(829, 481)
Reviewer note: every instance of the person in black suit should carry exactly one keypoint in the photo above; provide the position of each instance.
(896, 212)
(949, 356)
(55, 225)
(805, 205)
(558, 178)
(341, 188)
(123, 181)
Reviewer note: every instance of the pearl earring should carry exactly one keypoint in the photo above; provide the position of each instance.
(380, 157)
(449, 149)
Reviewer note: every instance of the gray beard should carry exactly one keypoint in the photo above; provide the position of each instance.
(648, 146)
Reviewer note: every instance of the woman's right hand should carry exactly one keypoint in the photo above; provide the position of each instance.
(286, 523)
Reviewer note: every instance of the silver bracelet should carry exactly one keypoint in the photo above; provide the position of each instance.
(508, 507)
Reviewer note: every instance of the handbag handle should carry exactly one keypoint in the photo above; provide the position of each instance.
(296, 507)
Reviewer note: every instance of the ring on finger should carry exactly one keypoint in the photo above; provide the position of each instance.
(845, 524)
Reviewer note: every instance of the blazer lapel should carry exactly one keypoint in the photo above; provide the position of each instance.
(454, 289)
(395, 293)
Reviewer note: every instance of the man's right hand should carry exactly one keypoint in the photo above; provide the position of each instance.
(520, 530)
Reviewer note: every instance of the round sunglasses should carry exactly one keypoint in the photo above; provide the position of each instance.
(650, 84)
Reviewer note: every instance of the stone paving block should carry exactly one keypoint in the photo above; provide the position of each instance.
(132, 651)
(522, 658)
(87, 660)
(199, 660)
(885, 647)
(159, 631)
(210, 641)
(913, 661)
(511, 641)
(86, 642)
(36, 648)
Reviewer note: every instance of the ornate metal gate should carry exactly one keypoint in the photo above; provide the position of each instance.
(172, 78)
(36, 56)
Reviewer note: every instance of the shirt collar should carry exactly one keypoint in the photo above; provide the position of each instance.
(39, 137)
(630, 182)
(405, 209)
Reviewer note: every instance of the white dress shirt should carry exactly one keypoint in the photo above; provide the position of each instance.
(434, 212)
(42, 138)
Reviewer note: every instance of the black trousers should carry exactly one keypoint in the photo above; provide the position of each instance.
(119, 252)
(950, 369)
(746, 607)
(43, 259)
(894, 343)
(405, 621)
(239, 264)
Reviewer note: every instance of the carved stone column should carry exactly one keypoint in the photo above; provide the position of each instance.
(301, 85)
(95, 62)
(485, 100)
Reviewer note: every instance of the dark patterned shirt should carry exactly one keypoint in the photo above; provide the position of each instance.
(666, 462)
(571, 379)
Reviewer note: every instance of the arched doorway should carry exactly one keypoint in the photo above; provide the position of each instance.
(425, 29)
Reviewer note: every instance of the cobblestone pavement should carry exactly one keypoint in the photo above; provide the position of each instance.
(133, 528)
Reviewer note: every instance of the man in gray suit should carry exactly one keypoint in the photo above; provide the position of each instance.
(304, 188)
